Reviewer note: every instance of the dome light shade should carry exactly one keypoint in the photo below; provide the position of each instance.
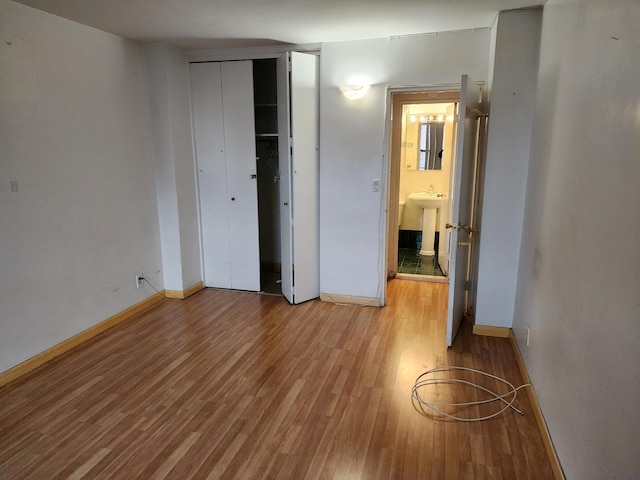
(355, 92)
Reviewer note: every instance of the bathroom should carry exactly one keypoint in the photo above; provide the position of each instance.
(426, 155)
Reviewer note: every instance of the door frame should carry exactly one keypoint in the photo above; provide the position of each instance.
(446, 93)
(396, 99)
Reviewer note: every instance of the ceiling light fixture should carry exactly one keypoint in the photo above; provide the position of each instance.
(354, 92)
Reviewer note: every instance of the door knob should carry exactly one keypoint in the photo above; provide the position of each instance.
(457, 226)
(461, 226)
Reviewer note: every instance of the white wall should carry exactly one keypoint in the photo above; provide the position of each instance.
(513, 93)
(168, 74)
(352, 143)
(579, 276)
(75, 136)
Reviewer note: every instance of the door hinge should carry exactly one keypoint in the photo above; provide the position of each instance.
(476, 112)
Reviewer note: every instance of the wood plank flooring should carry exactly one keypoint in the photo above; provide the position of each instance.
(238, 385)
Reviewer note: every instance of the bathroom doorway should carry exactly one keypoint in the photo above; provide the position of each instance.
(420, 183)
(462, 220)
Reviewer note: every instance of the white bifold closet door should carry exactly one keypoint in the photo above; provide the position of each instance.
(224, 129)
(299, 176)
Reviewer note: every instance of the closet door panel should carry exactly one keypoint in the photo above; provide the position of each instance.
(305, 175)
(223, 118)
(242, 192)
(299, 176)
(206, 86)
(284, 149)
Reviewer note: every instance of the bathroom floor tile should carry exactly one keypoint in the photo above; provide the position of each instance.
(410, 261)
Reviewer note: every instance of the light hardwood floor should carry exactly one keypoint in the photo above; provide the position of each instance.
(239, 385)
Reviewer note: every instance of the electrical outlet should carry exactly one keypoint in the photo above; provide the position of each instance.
(139, 281)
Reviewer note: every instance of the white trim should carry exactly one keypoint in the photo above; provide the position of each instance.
(436, 87)
(383, 221)
(196, 172)
(248, 53)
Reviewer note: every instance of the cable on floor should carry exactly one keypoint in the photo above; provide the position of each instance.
(426, 380)
(149, 283)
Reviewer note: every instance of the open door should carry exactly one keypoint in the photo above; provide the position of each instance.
(299, 176)
(461, 226)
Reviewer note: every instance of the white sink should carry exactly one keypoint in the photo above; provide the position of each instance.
(426, 199)
(430, 203)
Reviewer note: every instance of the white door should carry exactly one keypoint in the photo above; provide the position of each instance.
(462, 222)
(299, 176)
(223, 117)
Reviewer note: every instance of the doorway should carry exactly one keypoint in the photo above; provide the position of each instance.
(463, 228)
(265, 95)
(421, 165)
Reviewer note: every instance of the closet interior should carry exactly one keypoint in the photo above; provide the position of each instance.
(267, 167)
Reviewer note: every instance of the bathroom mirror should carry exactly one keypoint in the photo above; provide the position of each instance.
(430, 146)
(423, 132)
